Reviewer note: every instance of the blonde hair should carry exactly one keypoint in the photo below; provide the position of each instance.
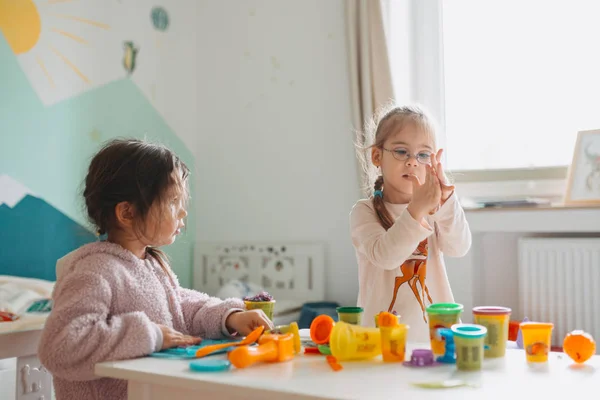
(387, 121)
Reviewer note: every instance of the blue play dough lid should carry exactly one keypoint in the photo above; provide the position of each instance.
(203, 365)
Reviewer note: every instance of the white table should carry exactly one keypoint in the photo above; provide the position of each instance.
(32, 381)
(309, 377)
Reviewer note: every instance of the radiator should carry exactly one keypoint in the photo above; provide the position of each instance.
(559, 282)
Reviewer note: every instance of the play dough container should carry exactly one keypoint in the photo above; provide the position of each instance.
(496, 320)
(393, 342)
(469, 342)
(354, 342)
(537, 338)
(320, 329)
(350, 315)
(266, 306)
(263, 301)
(442, 315)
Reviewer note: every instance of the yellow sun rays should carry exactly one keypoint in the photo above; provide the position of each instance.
(43, 67)
(70, 64)
(60, 1)
(73, 37)
(83, 20)
(70, 36)
(21, 25)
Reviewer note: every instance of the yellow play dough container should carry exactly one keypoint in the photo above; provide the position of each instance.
(393, 342)
(537, 339)
(354, 342)
(441, 315)
(266, 306)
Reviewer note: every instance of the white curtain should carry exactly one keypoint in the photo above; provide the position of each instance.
(370, 72)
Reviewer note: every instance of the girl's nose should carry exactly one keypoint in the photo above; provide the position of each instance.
(411, 161)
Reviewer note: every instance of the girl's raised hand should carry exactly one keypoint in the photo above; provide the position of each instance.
(426, 196)
(436, 163)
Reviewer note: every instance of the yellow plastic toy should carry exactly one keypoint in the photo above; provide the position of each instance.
(537, 337)
(294, 330)
(354, 342)
(271, 348)
(393, 337)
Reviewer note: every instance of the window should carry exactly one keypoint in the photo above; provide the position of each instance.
(513, 81)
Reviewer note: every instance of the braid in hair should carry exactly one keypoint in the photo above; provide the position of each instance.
(382, 212)
(161, 257)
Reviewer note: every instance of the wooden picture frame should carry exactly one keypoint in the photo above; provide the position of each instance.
(583, 178)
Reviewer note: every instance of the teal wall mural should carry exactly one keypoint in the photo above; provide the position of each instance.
(33, 235)
(47, 148)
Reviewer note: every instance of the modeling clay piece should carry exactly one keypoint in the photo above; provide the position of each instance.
(520, 335)
(450, 383)
(262, 296)
(271, 348)
(332, 361)
(580, 346)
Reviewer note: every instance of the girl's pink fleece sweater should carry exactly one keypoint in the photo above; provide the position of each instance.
(107, 304)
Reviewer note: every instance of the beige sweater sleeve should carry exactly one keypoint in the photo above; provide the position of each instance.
(453, 232)
(385, 249)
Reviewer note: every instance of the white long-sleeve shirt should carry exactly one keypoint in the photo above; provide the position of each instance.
(381, 254)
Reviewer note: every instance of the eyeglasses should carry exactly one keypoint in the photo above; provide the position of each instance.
(422, 157)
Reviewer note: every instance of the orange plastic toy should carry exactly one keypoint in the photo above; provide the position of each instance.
(250, 339)
(271, 348)
(387, 320)
(321, 328)
(580, 346)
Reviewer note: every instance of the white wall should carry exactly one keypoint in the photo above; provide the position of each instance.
(275, 160)
(168, 69)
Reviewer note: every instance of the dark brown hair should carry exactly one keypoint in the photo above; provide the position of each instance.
(135, 171)
(387, 121)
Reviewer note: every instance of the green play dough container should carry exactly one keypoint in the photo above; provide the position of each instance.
(350, 315)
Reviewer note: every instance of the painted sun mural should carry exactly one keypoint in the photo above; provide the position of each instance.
(66, 47)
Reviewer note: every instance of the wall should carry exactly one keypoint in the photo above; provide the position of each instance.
(275, 159)
(69, 81)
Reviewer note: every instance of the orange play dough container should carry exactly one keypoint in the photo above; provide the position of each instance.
(321, 328)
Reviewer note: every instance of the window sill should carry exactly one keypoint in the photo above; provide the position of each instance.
(473, 192)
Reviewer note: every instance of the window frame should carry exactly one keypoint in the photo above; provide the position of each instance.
(425, 25)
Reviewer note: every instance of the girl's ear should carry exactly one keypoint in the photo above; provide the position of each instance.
(125, 214)
(376, 154)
